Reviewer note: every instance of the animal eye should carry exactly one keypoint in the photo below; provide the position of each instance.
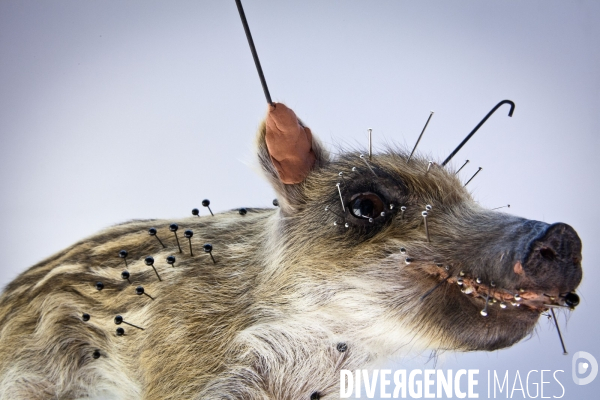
(366, 205)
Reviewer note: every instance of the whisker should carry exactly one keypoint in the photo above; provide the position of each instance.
(435, 287)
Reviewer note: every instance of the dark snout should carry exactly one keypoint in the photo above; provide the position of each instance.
(553, 259)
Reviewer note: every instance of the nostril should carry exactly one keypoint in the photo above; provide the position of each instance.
(548, 253)
(553, 260)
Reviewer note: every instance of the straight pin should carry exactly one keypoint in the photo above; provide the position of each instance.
(125, 275)
(497, 208)
(123, 254)
(475, 174)
(341, 175)
(424, 214)
(196, 212)
(341, 199)
(140, 291)
(152, 232)
(420, 136)
(429, 167)
(208, 249)
(402, 210)
(173, 228)
(150, 262)
(171, 261)
(558, 330)
(188, 234)
(366, 162)
(466, 162)
(370, 144)
(206, 203)
(119, 320)
(484, 311)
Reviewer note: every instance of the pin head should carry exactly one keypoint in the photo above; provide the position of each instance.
(276, 202)
(96, 354)
(207, 247)
(152, 231)
(173, 227)
(171, 260)
(243, 211)
(139, 290)
(315, 396)
(149, 260)
(120, 331)
(118, 319)
(125, 275)
(188, 234)
(205, 202)
(195, 211)
(85, 317)
(428, 207)
(99, 285)
(342, 347)
(123, 253)
(572, 299)
(403, 208)
(424, 214)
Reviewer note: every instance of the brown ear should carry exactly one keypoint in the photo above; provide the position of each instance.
(289, 143)
(288, 152)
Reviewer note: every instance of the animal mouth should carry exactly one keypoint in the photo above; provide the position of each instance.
(489, 294)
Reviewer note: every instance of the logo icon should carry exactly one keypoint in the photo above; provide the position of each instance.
(582, 361)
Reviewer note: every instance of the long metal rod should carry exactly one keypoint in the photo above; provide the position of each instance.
(420, 136)
(510, 113)
(253, 50)
(474, 175)
(558, 330)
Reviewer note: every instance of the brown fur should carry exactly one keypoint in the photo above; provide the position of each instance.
(288, 286)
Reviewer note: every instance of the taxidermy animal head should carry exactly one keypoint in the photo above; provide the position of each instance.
(365, 256)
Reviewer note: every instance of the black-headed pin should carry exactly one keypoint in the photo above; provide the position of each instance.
(188, 234)
(123, 254)
(125, 275)
(173, 228)
(150, 262)
(140, 291)
(119, 320)
(208, 249)
(152, 232)
(171, 260)
(206, 203)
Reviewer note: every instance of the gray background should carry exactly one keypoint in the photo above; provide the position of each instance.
(117, 110)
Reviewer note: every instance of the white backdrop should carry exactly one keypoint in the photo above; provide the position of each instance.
(115, 110)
